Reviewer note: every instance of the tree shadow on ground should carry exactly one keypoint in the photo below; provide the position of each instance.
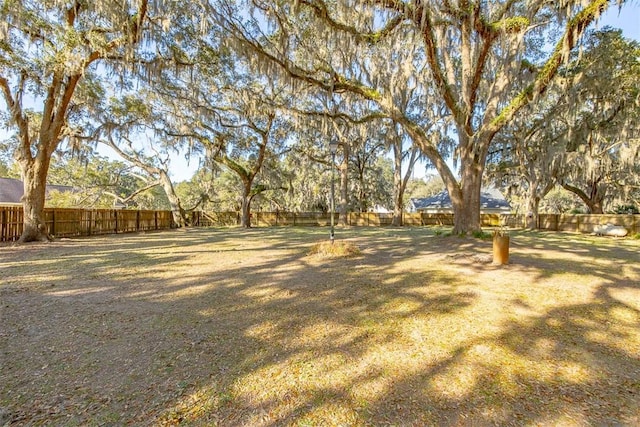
(244, 329)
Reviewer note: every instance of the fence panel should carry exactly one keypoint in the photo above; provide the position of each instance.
(214, 219)
(358, 219)
(265, 219)
(412, 219)
(285, 218)
(11, 220)
(548, 222)
(386, 219)
(437, 219)
(65, 222)
(513, 221)
(147, 220)
(634, 221)
(103, 221)
(314, 219)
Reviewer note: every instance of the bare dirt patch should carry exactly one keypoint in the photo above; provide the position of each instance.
(234, 327)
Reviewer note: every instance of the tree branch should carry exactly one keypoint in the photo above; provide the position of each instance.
(574, 30)
(321, 11)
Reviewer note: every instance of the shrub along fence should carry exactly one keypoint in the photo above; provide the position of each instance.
(87, 222)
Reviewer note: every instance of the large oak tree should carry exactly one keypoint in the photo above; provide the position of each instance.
(50, 53)
(475, 51)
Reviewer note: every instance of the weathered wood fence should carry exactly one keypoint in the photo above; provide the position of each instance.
(85, 222)
(88, 222)
(587, 223)
(320, 219)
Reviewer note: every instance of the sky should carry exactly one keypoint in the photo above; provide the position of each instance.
(627, 18)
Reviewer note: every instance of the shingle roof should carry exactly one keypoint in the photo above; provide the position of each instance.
(489, 199)
(11, 190)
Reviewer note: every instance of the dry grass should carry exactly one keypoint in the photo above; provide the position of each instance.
(235, 328)
(335, 249)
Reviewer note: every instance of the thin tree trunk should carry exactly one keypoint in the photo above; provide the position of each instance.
(400, 182)
(344, 186)
(398, 191)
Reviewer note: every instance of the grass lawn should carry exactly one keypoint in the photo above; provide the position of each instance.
(244, 328)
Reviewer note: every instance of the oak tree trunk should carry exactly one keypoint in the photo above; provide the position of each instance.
(34, 178)
(465, 199)
(179, 215)
(400, 182)
(245, 210)
(594, 200)
(533, 203)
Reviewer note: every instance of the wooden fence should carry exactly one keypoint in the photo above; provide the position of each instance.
(85, 222)
(552, 222)
(358, 219)
(587, 223)
(88, 222)
(320, 219)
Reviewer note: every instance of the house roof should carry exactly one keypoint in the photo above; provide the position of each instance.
(490, 198)
(11, 190)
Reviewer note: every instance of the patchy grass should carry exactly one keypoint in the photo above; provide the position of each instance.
(335, 249)
(243, 327)
(482, 235)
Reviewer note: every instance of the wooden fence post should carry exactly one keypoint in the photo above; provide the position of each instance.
(137, 220)
(53, 222)
(115, 218)
(3, 230)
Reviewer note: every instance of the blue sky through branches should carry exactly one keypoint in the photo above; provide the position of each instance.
(626, 18)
